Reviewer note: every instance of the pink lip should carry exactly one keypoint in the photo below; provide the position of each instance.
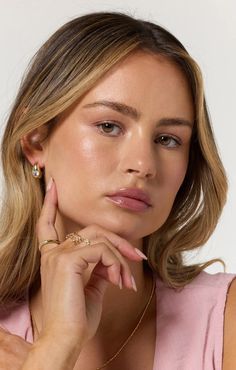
(132, 198)
(134, 193)
(130, 203)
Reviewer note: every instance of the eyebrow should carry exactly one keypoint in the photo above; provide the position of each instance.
(136, 115)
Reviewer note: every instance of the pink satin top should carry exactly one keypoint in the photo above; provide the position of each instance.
(189, 323)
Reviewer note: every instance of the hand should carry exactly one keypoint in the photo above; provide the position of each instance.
(72, 307)
(13, 351)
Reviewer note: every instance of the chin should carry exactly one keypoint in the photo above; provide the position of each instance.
(126, 230)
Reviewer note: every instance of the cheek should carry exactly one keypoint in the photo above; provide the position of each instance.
(174, 173)
(91, 155)
(81, 156)
(81, 168)
(171, 176)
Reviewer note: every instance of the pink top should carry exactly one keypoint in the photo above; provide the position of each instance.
(189, 323)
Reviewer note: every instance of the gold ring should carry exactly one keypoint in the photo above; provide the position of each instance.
(48, 242)
(77, 239)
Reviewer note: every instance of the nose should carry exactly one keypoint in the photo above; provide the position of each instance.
(139, 158)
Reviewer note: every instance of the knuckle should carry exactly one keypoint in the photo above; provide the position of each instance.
(61, 259)
(55, 261)
(108, 246)
(48, 258)
(45, 255)
(83, 263)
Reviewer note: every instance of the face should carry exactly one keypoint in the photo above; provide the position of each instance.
(98, 149)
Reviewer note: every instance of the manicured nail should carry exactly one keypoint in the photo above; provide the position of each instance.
(134, 284)
(141, 254)
(49, 184)
(120, 283)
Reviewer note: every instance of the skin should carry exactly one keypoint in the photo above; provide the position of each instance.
(141, 152)
(129, 158)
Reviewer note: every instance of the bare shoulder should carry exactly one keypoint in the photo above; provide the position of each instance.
(229, 358)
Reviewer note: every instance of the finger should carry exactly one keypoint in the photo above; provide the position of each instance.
(121, 248)
(125, 272)
(99, 253)
(98, 282)
(125, 248)
(46, 223)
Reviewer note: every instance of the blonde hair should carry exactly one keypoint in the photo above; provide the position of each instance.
(65, 68)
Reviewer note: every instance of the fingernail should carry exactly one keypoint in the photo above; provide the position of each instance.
(134, 284)
(120, 283)
(49, 184)
(141, 254)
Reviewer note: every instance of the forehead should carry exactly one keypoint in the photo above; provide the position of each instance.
(146, 81)
(143, 66)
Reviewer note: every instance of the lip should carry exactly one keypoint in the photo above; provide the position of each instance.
(134, 193)
(128, 203)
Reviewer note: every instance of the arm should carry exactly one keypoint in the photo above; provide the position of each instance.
(13, 350)
(48, 354)
(229, 358)
(17, 354)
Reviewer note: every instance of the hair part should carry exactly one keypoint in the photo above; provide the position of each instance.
(66, 67)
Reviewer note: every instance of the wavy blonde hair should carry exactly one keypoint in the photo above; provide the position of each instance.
(65, 68)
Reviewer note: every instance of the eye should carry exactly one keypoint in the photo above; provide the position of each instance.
(113, 129)
(108, 128)
(168, 141)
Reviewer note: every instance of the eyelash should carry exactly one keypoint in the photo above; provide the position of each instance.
(177, 141)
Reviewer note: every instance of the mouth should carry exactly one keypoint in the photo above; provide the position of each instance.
(128, 202)
(133, 193)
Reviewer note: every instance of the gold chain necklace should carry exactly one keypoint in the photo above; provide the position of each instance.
(130, 336)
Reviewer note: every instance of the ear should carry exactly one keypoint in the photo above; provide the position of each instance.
(32, 147)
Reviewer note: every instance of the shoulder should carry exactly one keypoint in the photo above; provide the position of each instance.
(199, 307)
(229, 358)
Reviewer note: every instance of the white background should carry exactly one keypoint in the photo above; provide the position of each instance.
(207, 28)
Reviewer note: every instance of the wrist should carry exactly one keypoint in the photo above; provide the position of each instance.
(50, 353)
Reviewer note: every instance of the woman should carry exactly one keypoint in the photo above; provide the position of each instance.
(111, 174)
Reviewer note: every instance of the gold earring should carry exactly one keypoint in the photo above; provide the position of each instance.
(36, 171)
